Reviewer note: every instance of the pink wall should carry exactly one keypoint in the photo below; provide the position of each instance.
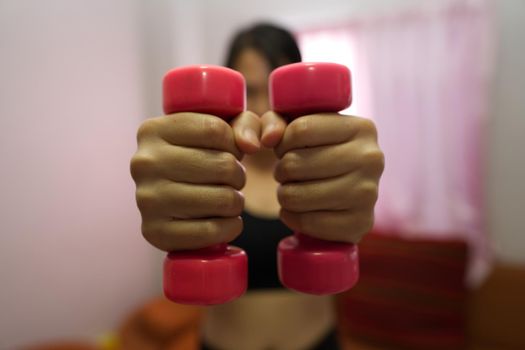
(505, 165)
(72, 259)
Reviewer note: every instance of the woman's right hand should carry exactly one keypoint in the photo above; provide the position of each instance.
(188, 175)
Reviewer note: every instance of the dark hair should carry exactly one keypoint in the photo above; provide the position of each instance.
(277, 45)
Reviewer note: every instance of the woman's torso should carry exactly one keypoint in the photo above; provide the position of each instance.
(267, 316)
(264, 320)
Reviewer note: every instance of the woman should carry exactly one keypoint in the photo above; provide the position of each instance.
(330, 164)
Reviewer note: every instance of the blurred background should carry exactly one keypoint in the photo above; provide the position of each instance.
(444, 81)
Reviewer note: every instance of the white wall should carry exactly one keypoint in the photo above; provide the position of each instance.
(72, 259)
(506, 167)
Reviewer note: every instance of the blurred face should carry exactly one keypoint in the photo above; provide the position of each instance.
(255, 70)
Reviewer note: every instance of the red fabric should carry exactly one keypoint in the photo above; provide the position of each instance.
(411, 294)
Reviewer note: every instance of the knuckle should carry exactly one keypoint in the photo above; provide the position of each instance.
(288, 197)
(147, 128)
(348, 123)
(318, 223)
(209, 230)
(147, 199)
(288, 166)
(216, 130)
(226, 166)
(231, 202)
(362, 224)
(307, 224)
(300, 127)
(155, 235)
(367, 194)
(367, 125)
(228, 232)
(354, 227)
(142, 163)
(374, 159)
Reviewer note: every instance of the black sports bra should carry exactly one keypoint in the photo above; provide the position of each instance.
(259, 240)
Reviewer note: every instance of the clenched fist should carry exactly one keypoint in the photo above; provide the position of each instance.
(188, 175)
(329, 168)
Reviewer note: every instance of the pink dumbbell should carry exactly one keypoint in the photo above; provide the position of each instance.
(216, 274)
(307, 264)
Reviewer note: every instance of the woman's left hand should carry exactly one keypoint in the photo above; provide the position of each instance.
(329, 168)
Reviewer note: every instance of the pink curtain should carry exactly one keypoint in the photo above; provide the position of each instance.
(423, 77)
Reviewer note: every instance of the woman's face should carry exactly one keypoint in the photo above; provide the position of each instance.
(256, 71)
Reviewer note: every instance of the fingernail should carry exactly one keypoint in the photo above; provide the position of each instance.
(269, 128)
(250, 135)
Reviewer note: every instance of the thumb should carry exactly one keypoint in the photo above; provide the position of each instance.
(247, 132)
(273, 126)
